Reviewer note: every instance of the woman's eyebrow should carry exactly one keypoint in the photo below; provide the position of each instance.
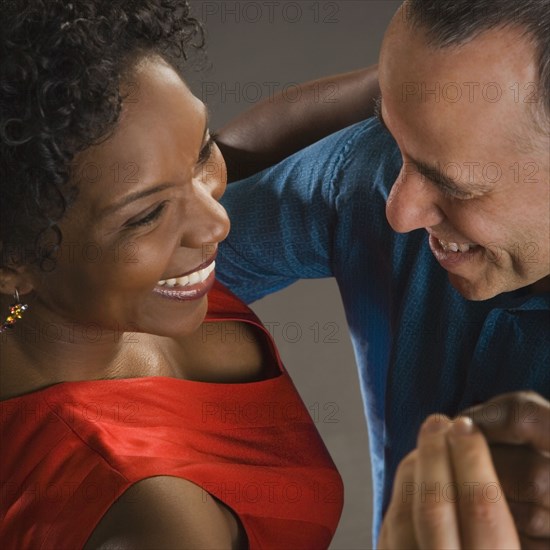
(134, 197)
(152, 190)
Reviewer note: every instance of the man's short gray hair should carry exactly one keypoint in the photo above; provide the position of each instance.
(454, 22)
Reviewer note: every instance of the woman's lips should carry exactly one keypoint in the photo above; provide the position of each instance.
(195, 270)
(190, 286)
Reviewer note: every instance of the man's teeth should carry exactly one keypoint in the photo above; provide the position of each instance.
(455, 247)
(191, 279)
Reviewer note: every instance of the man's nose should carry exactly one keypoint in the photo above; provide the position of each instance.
(412, 203)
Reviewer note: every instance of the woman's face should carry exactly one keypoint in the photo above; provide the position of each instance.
(147, 211)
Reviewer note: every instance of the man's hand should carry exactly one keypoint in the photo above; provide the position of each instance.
(446, 494)
(517, 426)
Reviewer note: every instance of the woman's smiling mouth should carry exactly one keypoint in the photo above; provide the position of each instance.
(191, 286)
(198, 276)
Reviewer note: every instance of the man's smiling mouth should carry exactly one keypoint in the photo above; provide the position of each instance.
(450, 246)
(456, 247)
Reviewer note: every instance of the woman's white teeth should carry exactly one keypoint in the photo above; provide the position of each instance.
(455, 247)
(191, 279)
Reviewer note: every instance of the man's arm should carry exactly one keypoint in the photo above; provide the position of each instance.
(286, 222)
(291, 120)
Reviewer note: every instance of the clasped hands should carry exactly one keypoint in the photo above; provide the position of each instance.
(481, 480)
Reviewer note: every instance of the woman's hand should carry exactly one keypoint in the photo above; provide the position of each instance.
(446, 493)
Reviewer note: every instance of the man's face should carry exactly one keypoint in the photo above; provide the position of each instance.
(476, 170)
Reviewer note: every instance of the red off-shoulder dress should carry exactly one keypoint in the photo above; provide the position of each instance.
(67, 452)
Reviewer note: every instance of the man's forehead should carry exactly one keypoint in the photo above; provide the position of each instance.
(503, 55)
(465, 93)
(461, 178)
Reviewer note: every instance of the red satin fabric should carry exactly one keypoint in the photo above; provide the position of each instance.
(69, 451)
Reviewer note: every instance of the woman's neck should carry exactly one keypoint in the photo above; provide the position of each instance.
(32, 358)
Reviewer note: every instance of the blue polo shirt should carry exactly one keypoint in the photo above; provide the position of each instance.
(420, 346)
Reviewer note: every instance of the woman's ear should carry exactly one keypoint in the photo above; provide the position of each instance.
(13, 275)
(12, 278)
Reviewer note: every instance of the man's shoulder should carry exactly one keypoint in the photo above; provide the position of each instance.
(368, 132)
(365, 149)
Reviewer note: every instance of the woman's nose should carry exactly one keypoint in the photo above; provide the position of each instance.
(213, 173)
(412, 203)
(209, 223)
(206, 221)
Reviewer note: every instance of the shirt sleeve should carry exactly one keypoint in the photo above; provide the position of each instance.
(284, 219)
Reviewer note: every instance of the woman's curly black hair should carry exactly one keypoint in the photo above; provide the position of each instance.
(61, 67)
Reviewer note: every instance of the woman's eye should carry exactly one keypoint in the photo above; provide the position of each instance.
(150, 218)
(206, 151)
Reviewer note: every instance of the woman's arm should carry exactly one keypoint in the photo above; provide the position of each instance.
(287, 122)
(166, 512)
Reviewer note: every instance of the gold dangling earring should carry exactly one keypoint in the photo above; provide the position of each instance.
(16, 311)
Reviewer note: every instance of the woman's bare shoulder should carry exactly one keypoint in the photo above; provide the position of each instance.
(166, 512)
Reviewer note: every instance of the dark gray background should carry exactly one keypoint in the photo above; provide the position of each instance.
(256, 48)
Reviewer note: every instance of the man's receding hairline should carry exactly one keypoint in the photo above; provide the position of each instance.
(435, 41)
(534, 112)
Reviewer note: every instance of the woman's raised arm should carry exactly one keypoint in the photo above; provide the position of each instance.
(279, 126)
